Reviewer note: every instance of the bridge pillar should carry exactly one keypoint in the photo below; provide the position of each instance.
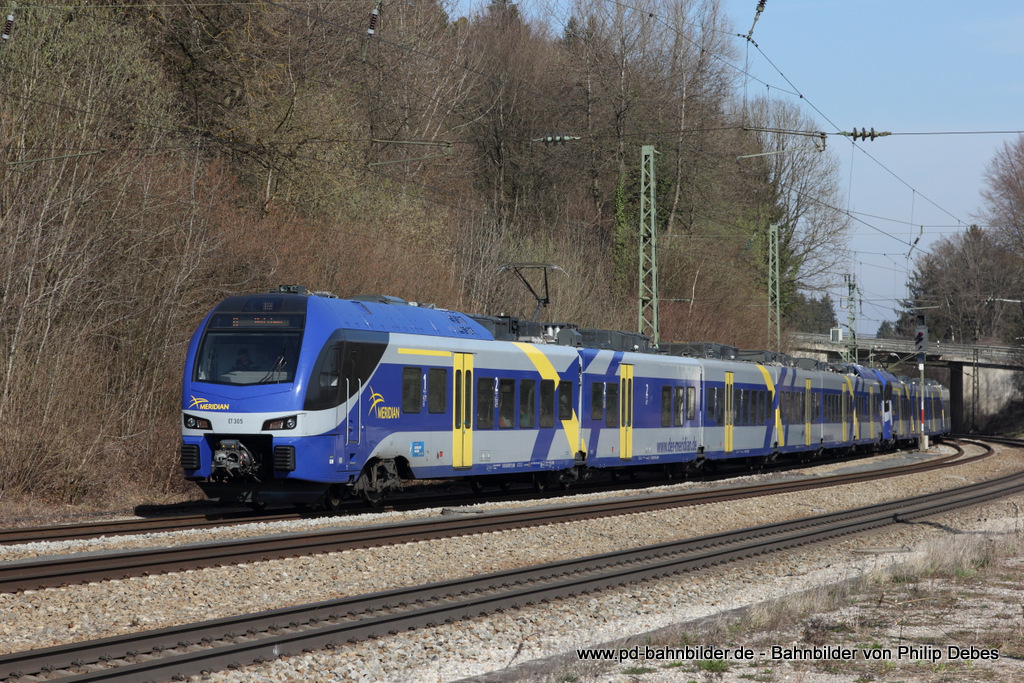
(956, 398)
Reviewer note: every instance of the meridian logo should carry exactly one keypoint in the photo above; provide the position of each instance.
(203, 404)
(383, 412)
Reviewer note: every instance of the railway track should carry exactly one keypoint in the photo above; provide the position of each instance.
(67, 570)
(424, 497)
(236, 641)
(80, 531)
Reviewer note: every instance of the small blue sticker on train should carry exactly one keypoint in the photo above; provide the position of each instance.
(416, 449)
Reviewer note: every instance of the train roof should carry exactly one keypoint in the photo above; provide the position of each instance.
(392, 314)
(381, 314)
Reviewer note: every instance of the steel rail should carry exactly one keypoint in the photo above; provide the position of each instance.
(234, 641)
(68, 570)
(407, 501)
(96, 529)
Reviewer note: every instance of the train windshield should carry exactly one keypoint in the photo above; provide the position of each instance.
(248, 349)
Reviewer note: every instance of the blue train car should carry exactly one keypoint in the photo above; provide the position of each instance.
(640, 409)
(306, 399)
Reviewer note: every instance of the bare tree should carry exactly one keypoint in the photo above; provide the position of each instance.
(960, 281)
(804, 181)
(1004, 194)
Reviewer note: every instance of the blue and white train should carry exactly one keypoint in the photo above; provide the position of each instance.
(300, 398)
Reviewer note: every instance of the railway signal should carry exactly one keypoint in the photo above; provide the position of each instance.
(921, 341)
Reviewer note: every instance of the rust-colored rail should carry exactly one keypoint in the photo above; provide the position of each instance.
(31, 574)
(423, 497)
(235, 641)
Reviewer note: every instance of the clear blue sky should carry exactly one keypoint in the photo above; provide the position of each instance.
(905, 66)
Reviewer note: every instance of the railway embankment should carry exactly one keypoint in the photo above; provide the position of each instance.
(501, 642)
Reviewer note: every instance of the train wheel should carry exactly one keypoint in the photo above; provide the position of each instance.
(374, 498)
(378, 477)
(334, 497)
(476, 485)
(540, 483)
(675, 471)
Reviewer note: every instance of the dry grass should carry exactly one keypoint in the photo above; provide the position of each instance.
(960, 591)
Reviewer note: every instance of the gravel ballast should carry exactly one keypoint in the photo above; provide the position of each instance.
(36, 619)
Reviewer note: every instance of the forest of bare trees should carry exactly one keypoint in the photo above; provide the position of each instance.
(161, 156)
(971, 285)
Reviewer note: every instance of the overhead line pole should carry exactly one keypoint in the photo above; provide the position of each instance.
(648, 303)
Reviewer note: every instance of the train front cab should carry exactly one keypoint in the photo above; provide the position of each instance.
(241, 399)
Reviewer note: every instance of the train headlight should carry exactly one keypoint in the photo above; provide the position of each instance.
(193, 422)
(281, 423)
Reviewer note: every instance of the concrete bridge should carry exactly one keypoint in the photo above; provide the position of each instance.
(984, 381)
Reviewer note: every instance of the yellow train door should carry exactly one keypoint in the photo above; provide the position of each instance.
(729, 410)
(625, 412)
(462, 409)
(808, 402)
(846, 411)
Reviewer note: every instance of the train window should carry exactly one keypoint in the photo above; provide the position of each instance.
(691, 403)
(719, 406)
(247, 357)
(412, 395)
(506, 403)
(680, 404)
(342, 368)
(612, 405)
(458, 399)
(565, 400)
(666, 406)
(485, 403)
(597, 401)
(627, 402)
(709, 402)
(547, 403)
(359, 362)
(437, 390)
(324, 389)
(527, 404)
